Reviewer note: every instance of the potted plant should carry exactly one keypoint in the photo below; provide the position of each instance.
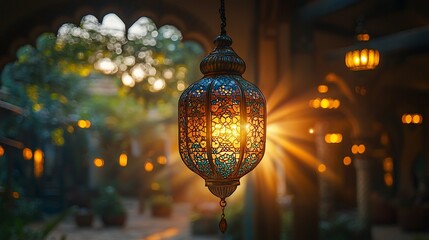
(161, 206)
(83, 216)
(109, 207)
(82, 211)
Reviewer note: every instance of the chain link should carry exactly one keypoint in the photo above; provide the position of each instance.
(222, 18)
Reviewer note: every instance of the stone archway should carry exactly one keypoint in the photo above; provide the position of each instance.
(49, 19)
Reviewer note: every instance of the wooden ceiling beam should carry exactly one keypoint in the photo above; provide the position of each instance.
(408, 40)
(320, 8)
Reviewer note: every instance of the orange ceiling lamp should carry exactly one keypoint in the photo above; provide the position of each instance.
(363, 57)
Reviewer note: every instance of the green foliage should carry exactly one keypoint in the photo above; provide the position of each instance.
(15, 221)
(109, 203)
(343, 226)
(44, 88)
(51, 80)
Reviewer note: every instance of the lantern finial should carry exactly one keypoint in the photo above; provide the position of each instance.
(222, 59)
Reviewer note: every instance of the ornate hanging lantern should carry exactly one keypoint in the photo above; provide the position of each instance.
(222, 121)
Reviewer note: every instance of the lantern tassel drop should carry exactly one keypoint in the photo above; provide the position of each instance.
(223, 224)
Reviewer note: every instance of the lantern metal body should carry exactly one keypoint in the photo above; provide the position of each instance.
(222, 121)
(364, 58)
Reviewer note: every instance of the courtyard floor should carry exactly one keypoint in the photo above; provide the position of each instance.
(138, 227)
(177, 227)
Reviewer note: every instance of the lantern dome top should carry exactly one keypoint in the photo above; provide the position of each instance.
(223, 59)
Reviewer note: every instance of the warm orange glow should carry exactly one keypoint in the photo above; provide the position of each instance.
(322, 89)
(347, 161)
(355, 149)
(358, 149)
(38, 155)
(98, 162)
(416, 119)
(315, 103)
(336, 103)
(321, 168)
(406, 118)
(84, 123)
(325, 103)
(363, 59)
(15, 195)
(148, 167)
(388, 164)
(123, 160)
(333, 138)
(81, 123)
(311, 130)
(227, 131)
(361, 149)
(162, 160)
(38, 163)
(27, 153)
(388, 179)
(363, 37)
(412, 119)
(1, 151)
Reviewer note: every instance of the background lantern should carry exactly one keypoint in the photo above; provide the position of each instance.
(222, 121)
(362, 58)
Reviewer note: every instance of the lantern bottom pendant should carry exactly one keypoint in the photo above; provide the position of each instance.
(223, 224)
(222, 188)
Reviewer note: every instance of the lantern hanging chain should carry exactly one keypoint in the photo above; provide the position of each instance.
(222, 18)
(222, 223)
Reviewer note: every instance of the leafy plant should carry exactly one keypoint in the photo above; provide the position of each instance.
(14, 222)
(342, 226)
(109, 203)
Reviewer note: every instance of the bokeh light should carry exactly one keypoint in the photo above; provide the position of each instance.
(321, 168)
(162, 160)
(27, 153)
(347, 161)
(148, 167)
(1, 151)
(98, 162)
(123, 160)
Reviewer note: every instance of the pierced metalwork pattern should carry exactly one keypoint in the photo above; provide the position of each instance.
(256, 135)
(222, 134)
(222, 120)
(192, 117)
